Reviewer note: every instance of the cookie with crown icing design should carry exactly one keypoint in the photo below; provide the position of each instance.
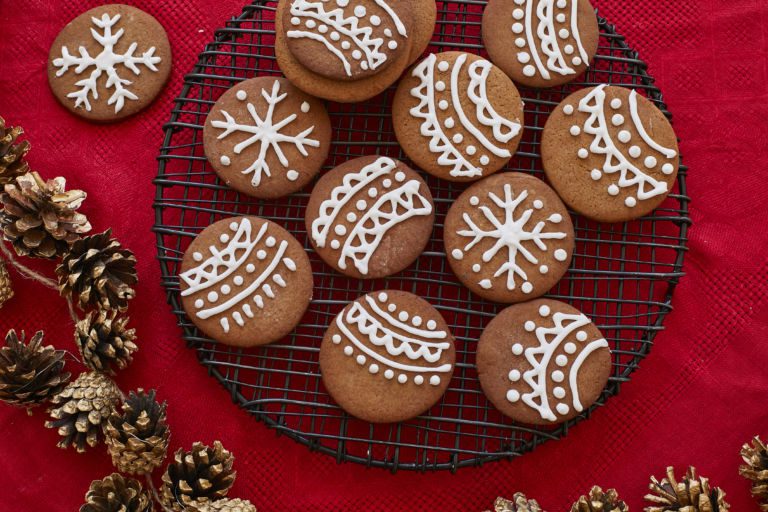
(370, 217)
(542, 362)
(509, 238)
(458, 116)
(387, 357)
(610, 153)
(541, 43)
(266, 138)
(109, 63)
(245, 281)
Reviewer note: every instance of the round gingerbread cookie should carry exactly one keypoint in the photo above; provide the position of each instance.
(387, 357)
(542, 362)
(541, 43)
(266, 138)
(610, 153)
(509, 238)
(370, 217)
(109, 62)
(458, 116)
(245, 281)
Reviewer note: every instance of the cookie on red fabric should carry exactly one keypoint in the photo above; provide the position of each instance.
(542, 362)
(245, 281)
(387, 357)
(610, 153)
(266, 138)
(109, 63)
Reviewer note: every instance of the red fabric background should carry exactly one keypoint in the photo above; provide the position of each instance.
(701, 393)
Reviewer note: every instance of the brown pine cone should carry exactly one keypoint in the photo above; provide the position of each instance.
(80, 410)
(599, 501)
(137, 439)
(6, 287)
(116, 493)
(104, 341)
(12, 153)
(518, 503)
(30, 374)
(692, 494)
(203, 474)
(40, 217)
(98, 272)
(225, 505)
(756, 469)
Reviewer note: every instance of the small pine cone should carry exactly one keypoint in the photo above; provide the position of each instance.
(40, 217)
(30, 374)
(137, 439)
(692, 494)
(518, 503)
(756, 469)
(99, 272)
(203, 474)
(12, 153)
(116, 493)
(6, 287)
(225, 505)
(104, 341)
(80, 410)
(599, 501)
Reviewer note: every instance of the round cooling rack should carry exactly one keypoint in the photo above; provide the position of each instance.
(622, 275)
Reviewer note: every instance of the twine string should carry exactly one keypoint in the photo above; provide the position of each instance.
(27, 272)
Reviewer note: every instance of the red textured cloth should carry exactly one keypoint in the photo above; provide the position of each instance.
(701, 393)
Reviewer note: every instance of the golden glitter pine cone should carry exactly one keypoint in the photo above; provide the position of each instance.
(137, 439)
(80, 410)
(201, 475)
(225, 505)
(104, 341)
(30, 374)
(692, 494)
(518, 503)
(40, 217)
(600, 501)
(6, 287)
(12, 153)
(116, 493)
(755, 469)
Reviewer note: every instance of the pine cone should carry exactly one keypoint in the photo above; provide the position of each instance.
(117, 494)
(81, 408)
(137, 440)
(12, 153)
(692, 494)
(30, 374)
(40, 218)
(99, 272)
(103, 341)
(225, 505)
(519, 503)
(756, 470)
(6, 287)
(202, 474)
(599, 501)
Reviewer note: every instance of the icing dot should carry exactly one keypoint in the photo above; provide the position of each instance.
(581, 336)
(400, 176)
(403, 316)
(562, 4)
(443, 105)
(311, 23)
(559, 392)
(513, 395)
(518, 14)
(213, 297)
(561, 360)
(650, 162)
(360, 11)
(225, 160)
(476, 267)
(485, 160)
(517, 349)
(630, 202)
(596, 174)
(322, 29)
(392, 45)
(485, 284)
(517, 28)
(357, 54)
(440, 85)
(450, 122)
(305, 107)
(617, 120)
(335, 36)
(538, 204)
(261, 254)
(336, 339)
(271, 241)
(561, 255)
(563, 409)
(474, 201)
(241, 95)
(233, 226)
(348, 350)
(616, 103)
(335, 244)
(372, 192)
(458, 138)
(434, 380)
(292, 175)
(340, 230)
(524, 57)
(527, 287)
(556, 218)
(431, 325)
(570, 348)
(361, 205)
(416, 321)
(351, 217)
(514, 375)
(389, 374)
(457, 254)
(560, 18)
(402, 378)
(342, 3)
(613, 190)
(224, 238)
(197, 256)
(443, 66)
(635, 151)
(558, 376)
(250, 268)
(569, 49)
(544, 269)
(199, 303)
(530, 326)
(575, 130)
(391, 308)
(520, 42)
(387, 183)
(568, 110)
(544, 310)
(374, 369)
(529, 70)
(383, 297)
(583, 153)
(418, 380)
(361, 360)
(577, 61)
(667, 168)
(346, 45)
(375, 20)
(563, 33)
(238, 280)
(625, 136)
(388, 32)
(471, 150)
(226, 290)
(295, 21)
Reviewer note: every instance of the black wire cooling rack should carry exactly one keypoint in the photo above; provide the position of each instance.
(622, 275)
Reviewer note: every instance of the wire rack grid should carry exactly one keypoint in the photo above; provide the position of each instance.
(622, 275)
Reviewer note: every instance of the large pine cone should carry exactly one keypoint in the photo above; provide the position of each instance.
(117, 494)
(30, 374)
(12, 153)
(81, 408)
(599, 501)
(203, 474)
(98, 272)
(40, 218)
(137, 439)
(756, 469)
(104, 341)
(518, 503)
(6, 287)
(225, 505)
(692, 494)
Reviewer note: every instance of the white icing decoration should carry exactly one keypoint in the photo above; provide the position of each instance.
(225, 161)
(434, 380)
(292, 175)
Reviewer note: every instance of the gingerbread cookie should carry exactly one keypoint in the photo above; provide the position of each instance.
(610, 153)
(457, 116)
(387, 357)
(542, 362)
(509, 238)
(245, 281)
(109, 63)
(370, 217)
(541, 43)
(267, 139)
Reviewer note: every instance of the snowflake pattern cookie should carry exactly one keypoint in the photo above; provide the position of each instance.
(370, 217)
(610, 153)
(109, 63)
(387, 357)
(541, 43)
(509, 238)
(542, 362)
(267, 139)
(458, 116)
(245, 281)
